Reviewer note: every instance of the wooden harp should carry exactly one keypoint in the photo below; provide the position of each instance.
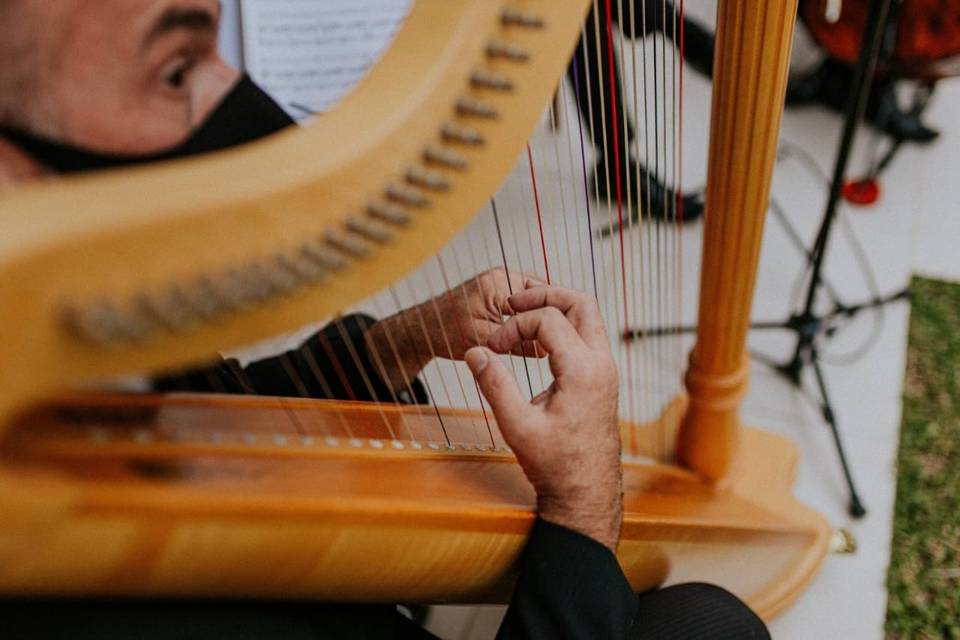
(106, 494)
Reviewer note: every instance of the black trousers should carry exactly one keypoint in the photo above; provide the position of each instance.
(682, 612)
(591, 79)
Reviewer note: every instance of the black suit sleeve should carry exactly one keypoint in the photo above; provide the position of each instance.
(570, 586)
(333, 363)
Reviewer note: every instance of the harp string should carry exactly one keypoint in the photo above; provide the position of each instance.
(536, 201)
(680, 104)
(441, 324)
(503, 254)
(491, 261)
(321, 379)
(364, 375)
(588, 51)
(615, 127)
(408, 385)
(294, 377)
(409, 334)
(524, 223)
(612, 300)
(475, 271)
(463, 340)
(571, 280)
(289, 370)
(670, 178)
(374, 352)
(649, 234)
(637, 261)
(583, 166)
(673, 344)
(417, 311)
(658, 215)
(629, 296)
(464, 344)
(576, 182)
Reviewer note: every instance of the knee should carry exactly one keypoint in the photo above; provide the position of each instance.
(703, 610)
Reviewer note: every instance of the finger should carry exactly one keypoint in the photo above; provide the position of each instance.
(549, 328)
(497, 285)
(529, 349)
(580, 309)
(509, 282)
(499, 387)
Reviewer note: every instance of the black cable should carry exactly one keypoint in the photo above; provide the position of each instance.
(879, 315)
(790, 150)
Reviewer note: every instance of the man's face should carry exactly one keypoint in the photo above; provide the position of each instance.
(124, 76)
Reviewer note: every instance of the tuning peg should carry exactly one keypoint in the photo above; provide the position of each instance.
(491, 80)
(467, 106)
(453, 132)
(422, 177)
(508, 51)
(409, 196)
(349, 244)
(446, 157)
(369, 229)
(319, 253)
(516, 17)
(389, 212)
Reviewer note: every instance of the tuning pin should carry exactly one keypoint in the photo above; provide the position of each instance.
(507, 51)
(168, 309)
(349, 244)
(467, 106)
(319, 253)
(445, 157)
(254, 285)
(202, 298)
(103, 325)
(491, 80)
(515, 17)
(409, 196)
(307, 271)
(369, 229)
(278, 281)
(452, 132)
(422, 177)
(389, 212)
(229, 288)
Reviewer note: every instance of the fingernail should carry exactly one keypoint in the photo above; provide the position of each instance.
(477, 360)
(534, 282)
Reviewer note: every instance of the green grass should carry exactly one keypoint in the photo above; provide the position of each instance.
(923, 581)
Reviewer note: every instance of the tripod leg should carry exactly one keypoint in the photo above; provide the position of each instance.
(856, 508)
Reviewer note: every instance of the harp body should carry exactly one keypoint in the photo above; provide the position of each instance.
(210, 496)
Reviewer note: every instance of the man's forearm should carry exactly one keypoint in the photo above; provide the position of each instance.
(393, 347)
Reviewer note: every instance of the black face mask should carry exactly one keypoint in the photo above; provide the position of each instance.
(246, 114)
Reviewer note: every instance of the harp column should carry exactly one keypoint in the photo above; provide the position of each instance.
(754, 39)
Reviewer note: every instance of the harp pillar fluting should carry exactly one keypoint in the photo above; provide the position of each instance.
(754, 41)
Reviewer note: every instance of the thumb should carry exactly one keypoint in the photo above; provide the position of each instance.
(499, 387)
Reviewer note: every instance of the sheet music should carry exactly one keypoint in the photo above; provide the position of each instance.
(309, 53)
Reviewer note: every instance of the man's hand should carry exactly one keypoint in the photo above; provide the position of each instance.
(446, 326)
(566, 439)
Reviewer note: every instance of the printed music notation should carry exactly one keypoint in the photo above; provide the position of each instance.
(308, 54)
